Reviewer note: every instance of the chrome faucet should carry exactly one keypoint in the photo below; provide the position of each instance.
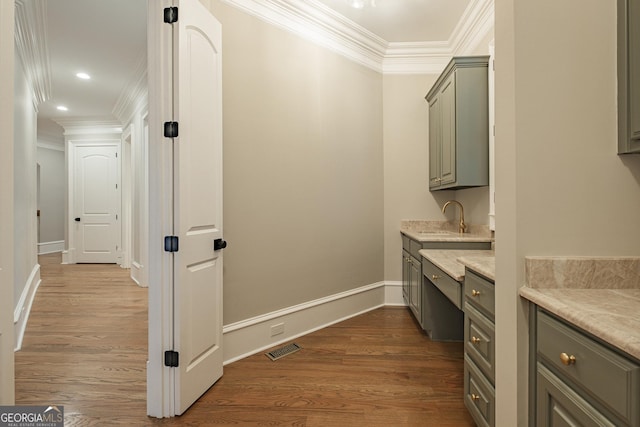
(462, 226)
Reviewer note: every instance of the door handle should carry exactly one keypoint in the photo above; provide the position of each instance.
(77, 219)
(219, 244)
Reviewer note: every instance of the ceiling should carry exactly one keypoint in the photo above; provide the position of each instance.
(405, 20)
(107, 40)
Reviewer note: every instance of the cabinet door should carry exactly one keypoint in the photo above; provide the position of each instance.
(628, 76)
(448, 136)
(406, 274)
(415, 281)
(559, 406)
(435, 126)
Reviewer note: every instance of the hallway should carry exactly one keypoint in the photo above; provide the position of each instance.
(85, 348)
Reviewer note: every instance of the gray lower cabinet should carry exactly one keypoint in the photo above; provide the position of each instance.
(411, 281)
(419, 293)
(442, 316)
(580, 381)
(479, 348)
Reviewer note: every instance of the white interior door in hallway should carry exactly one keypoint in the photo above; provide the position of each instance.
(186, 194)
(96, 203)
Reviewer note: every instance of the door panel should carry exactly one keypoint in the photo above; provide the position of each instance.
(197, 201)
(97, 204)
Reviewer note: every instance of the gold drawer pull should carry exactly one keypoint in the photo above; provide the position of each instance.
(475, 293)
(474, 397)
(475, 340)
(567, 360)
(434, 277)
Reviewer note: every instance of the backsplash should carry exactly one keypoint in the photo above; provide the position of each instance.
(583, 272)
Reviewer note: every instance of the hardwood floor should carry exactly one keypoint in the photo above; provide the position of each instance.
(85, 349)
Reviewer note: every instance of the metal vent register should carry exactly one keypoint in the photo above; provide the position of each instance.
(283, 351)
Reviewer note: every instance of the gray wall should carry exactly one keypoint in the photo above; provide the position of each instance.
(303, 180)
(52, 194)
(25, 250)
(561, 189)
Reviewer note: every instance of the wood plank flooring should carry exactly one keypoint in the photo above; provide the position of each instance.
(85, 349)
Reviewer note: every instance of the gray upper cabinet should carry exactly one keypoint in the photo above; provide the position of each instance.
(459, 125)
(628, 76)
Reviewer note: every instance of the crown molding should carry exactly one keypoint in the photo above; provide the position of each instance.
(50, 145)
(135, 93)
(89, 126)
(474, 25)
(319, 24)
(31, 46)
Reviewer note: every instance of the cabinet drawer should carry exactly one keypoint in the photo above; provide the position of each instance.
(479, 340)
(414, 248)
(602, 373)
(480, 293)
(406, 243)
(479, 395)
(449, 287)
(559, 405)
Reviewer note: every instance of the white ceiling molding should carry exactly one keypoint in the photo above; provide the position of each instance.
(86, 126)
(134, 94)
(31, 46)
(50, 145)
(318, 23)
(476, 22)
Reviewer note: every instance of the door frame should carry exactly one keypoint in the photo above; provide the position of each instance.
(160, 379)
(7, 374)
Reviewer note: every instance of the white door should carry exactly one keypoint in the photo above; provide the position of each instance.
(96, 196)
(197, 201)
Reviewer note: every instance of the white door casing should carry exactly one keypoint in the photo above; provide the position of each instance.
(185, 285)
(96, 203)
(7, 40)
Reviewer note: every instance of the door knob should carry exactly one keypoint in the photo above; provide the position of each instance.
(77, 219)
(219, 244)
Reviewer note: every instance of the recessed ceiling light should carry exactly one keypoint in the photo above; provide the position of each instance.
(83, 76)
(62, 108)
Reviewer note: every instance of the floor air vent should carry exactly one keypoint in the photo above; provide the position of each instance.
(283, 351)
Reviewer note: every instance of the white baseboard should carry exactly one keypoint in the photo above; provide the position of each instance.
(23, 308)
(251, 336)
(50, 247)
(67, 257)
(393, 294)
(136, 272)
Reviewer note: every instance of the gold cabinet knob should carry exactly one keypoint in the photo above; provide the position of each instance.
(475, 340)
(435, 277)
(474, 397)
(567, 359)
(475, 293)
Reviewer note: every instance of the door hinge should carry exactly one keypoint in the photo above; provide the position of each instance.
(171, 129)
(170, 15)
(171, 243)
(171, 358)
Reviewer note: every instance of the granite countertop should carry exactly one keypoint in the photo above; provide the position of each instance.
(453, 261)
(443, 231)
(598, 295)
(484, 264)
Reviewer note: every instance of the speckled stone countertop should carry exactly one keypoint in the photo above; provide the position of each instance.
(443, 231)
(598, 295)
(450, 260)
(485, 264)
